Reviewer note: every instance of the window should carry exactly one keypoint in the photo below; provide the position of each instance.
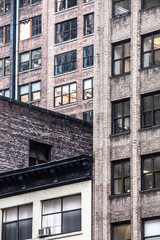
(88, 116)
(64, 4)
(65, 62)
(120, 177)
(151, 110)
(151, 171)
(121, 231)
(62, 215)
(4, 67)
(151, 50)
(17, 223)
(5, 6)
(30, 27)
(88, 23)
(121, 117)
(152, 229)
(121, 58)
(150, 3)
(88, 56)
(4, 92)
(65, 94)
(4, 35)
(66, 30)
(30, 92)
(38, 153)
(24, 3)
(121, 7)
(30, 60)
(88, 88)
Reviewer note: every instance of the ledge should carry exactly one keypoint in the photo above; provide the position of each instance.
(120, 134)
(149, 128)
(49, 175)
(119, 195)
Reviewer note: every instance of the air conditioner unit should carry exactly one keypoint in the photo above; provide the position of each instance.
(44, 232)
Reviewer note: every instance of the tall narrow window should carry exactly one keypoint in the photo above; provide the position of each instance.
(24, 61)
(36, 25)
(120, 177)
(121, 231)
(7, 34)
(152, 229)
(121, 116)
(88, 116)
(1, 35)
(62, 215)
(1, 67)
(88, 23)
(5, 6)
(121, 7)
(88, 88)
(6, 66)
(24, 30)
(88, 56)
(36, 58)
(17, 223)
(121, 58)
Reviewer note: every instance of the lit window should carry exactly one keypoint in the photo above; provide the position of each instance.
(30, 92)
(121, 177)
(66, 30)
(88, 116)
(64, 4)
(121, 117)
(62, 215)
(65, 94)
(151, 171)
(151, 50)
(38, 153)
(121, 231)
(150, 3)
(88, 23)
(65, 62)
(17, 223)
(88, 56)
(121, 7)
(5, 6)
(88, 88)
(152, 229)
(121, 58)
(30, 60)
(24, 3)
(4, 67)
(5, 35)
(151, 110)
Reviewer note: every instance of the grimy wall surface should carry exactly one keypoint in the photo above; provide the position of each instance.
(137, 205)
(20, 123)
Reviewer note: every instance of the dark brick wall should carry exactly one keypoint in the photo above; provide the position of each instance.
(20, 123)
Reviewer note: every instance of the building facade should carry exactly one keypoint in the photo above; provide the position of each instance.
(126, 120)
(46, 55)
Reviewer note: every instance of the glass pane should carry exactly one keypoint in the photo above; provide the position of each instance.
(126, 49)
(147, 61)
(73, 87)
(118, 170)
(24, 98)
(25, 229)
(122, 7)
(118, 126)
(65, 99)
(58, 91)
(25, 212)
(126, 108)
(10, 231)
(36, 54)
(71, 203)
(126, 168)
(36, 95)
(157, 180)
(72, 221)
(36, 86)
(58, 101)
(52, 206)
(65, 89)
(122, 232)
(157, 41)
(88, 94)
(127, 185)
(152, 228)
(157, 163)
(126, 124)
(147, 44)
(118, 67)
(87, 84)
(127, 65)
(148, 181)
(147, 165)
(72, 3)
(53, 221)
(6, 93)
(157, 117)
(73, 97)
(156, 101)
(60, 5)
(118, 186)
(148, 119)
(118, 52)
(117, 110)
(24, 57)
(147, 103)
(157, 57)
(10, 214)
(24, 30)
(24, 89)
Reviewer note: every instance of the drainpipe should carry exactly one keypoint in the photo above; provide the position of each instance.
(17, 50)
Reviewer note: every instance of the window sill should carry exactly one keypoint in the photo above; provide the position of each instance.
(121, 16)
(120, 75)
(30, 70)
(64, 235)
(7, 76)
(4, 45)
(64, 74)
(88, 35)
(86, 101)
(148, 8)
(120, 134)
(148, 68)
(65, 10)
(64, 106)
(150, 190)
(34, 101)
(87, 68)
(119, 195)
(149, 128)
(65, 42)
(1, 14)
(39, 35)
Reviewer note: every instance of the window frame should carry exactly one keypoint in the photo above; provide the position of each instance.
(113, 163)
(4, 92)
(66, 5)
(5, 36)
(3, 67)
(87, 88)
(118, 224)
(69, 94)
(113, 9)
(143, 5)
(142, 227)
(31, 2)
(30, 60)
(91, 58)
(89, 115)
(122, 43)
(30, 92)
(5, 6)
(86, 25)
(122, 101)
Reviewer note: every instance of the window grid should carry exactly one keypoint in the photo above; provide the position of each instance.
(30, 60)
(5, 35)
(88, 90)
(88, 24)
(36, 25)
(5, 6)
(28, 94)
(64, 4)
(24, 3)
(88, 56)
(88, 116)
(4, 92)
(4, 67)
(120, 8)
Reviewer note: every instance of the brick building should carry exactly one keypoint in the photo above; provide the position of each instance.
(126, 120)
(46, 54)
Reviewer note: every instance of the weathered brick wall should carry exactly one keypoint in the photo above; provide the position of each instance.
(20, 123)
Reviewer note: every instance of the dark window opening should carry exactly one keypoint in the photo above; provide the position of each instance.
(121, 7)
(89, 24)
(88, 116)
(150, 3)
(88, 56)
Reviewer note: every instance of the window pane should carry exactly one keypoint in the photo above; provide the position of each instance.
(118, 67)
(126, 168)
(147, 103)
(122, 7)
(10, 214)
(127, 185)
(72, 3)
(25, 229)
(24, 57)
(118, 126)
(10, 231)
(157, 117)
(126, 108)
(58, 101)
(126, 124)
(36, 86)
(36, 58)
(118, 110)
(60, 5)
(24, 98)
(127, 65)
(71, 203)
(53, 221)
(148, 119)
(147, 165)
(24, 30)
(157, 57)
(126, 49)
(150, 3)
(157, 41)
(1, 35)
(147, 44)
(157, 163)
(118, 52)
(25, 212)
(122, 232)
(157, 180)
(118, 186)
(87, 84)
(24, 89)
(148, 181)
(72, 221)
(52, 206)
(73, 97)
(156, 101)
(147, 60)
(36, 95)
(118, 170)
(152, 228)
(58, 91)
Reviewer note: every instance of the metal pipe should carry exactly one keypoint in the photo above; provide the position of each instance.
(17, 50)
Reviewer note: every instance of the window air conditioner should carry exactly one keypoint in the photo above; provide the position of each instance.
(44, 232)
